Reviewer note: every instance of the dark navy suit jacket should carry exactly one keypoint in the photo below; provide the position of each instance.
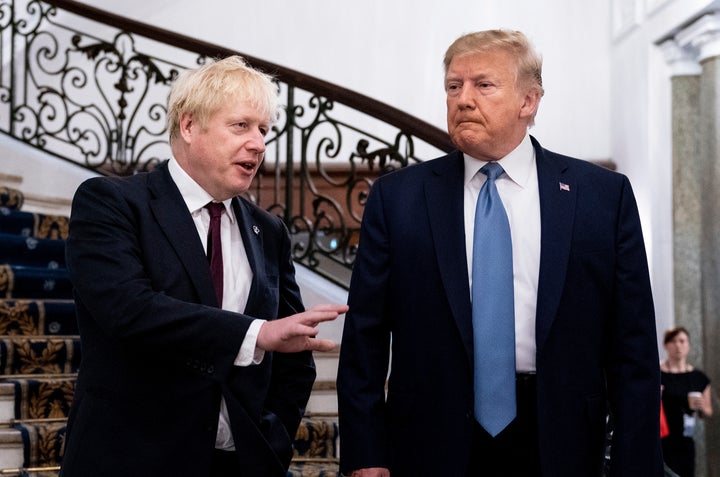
(595, 327)
(157, 352)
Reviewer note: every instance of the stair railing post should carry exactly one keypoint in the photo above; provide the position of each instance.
(289, 154)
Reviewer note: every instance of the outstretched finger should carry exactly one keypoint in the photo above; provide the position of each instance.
(313, 316)
(322, 345)
(337, 308)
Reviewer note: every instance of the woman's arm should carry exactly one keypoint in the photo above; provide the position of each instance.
(706, 409)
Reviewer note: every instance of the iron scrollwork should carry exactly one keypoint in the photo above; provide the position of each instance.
(96, 98)
(84, 99)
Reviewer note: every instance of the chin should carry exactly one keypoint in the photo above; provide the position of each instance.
(473, 147)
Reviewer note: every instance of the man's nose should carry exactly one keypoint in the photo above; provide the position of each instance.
(257, 141)
(465, 98)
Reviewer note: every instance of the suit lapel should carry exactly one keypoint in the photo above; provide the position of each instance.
(252, 236)
(558, 194)
(444, 196)
(173, 218)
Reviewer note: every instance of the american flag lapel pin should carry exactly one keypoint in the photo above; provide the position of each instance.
(564, 186)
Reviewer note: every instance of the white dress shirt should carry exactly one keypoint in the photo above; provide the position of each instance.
(237, 276)
(519, 192)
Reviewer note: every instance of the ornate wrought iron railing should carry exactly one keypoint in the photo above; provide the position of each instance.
(90, 87)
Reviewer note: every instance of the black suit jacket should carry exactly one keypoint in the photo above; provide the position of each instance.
(595, 328)
(157, 351)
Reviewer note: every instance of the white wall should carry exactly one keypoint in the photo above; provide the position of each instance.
(47, 183)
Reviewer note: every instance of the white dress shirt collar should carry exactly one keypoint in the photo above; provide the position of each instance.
(517, 164)
(195, 196)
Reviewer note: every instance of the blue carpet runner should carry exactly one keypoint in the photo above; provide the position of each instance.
(39, 355)
(28, 224)
(19, 281)
(32, 251)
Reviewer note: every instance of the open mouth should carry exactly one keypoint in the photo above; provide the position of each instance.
(248, 166)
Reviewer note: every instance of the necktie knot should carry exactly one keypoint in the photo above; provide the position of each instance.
(492, 170)
(215, 208)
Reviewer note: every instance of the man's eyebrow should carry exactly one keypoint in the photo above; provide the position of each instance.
(476, 77)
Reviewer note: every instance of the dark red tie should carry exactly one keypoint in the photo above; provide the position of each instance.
(214, 248)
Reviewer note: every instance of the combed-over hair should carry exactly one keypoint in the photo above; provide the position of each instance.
(529, 61)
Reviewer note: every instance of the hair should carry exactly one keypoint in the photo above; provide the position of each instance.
(529, 61)
(202, 91)
(673, 332)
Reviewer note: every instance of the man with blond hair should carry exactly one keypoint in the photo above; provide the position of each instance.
(196, 346)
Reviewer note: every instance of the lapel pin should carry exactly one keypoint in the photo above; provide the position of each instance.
(564, 186)
(256, 229)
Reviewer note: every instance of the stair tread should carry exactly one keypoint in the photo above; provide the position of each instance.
(33, 224)
(20, 281)
(31, 251)
(315, 442)
(39, 355)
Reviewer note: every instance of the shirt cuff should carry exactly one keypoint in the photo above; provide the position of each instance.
(249, 352)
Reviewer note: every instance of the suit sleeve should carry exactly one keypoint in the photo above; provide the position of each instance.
(364, 354)
(633, 376)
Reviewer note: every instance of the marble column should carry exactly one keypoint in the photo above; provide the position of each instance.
(686, 195)
(687, 206)
(703, 37)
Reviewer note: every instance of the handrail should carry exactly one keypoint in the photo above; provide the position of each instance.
(89, 87)
(384, 112)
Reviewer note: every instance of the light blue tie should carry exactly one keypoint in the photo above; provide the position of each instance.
(493, 312)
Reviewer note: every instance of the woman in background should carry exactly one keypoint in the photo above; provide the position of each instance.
(685, 397)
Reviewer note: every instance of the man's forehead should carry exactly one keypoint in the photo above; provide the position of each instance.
(479, 65)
